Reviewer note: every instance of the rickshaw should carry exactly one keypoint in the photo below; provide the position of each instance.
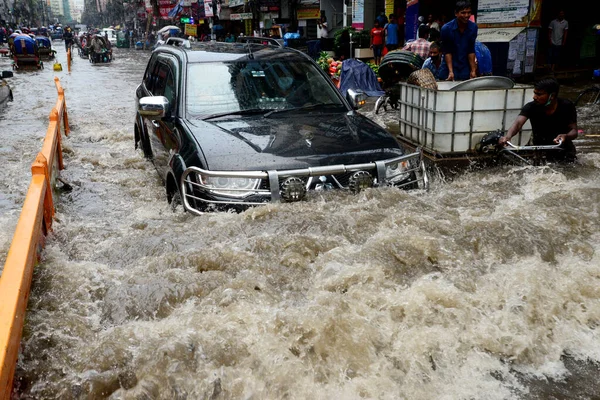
(396, 66)
(102, 56)
(25, 52)
(45, 47)
(122, 40)
(82, 41)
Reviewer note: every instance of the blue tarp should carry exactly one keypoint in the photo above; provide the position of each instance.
(358, 75)
(290, 35)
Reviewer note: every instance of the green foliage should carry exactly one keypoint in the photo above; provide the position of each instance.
(322, 61)
(361, 39)
(374, 67)
(337, 37)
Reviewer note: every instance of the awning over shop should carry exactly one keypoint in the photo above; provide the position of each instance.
(489, 35)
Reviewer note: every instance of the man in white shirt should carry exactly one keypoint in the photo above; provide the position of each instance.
(323, 31)
(557, 36)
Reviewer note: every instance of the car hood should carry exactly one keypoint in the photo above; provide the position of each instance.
(284, 142)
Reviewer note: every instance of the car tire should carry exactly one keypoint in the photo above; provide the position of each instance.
(381, 102)
(140, 140)
(175, 202)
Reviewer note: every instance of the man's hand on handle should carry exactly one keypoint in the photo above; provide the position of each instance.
(503, 140)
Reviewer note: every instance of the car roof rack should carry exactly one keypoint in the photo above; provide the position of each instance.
(178, 42)
(267, 41)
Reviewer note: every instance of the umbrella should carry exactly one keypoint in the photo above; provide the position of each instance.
(168, 28)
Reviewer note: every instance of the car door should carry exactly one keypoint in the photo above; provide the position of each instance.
(164, 140)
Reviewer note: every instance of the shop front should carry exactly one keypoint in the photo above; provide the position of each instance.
(516, 31)
(511, 31)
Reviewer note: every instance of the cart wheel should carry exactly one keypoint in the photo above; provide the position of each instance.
(381, 102)
(588, 96)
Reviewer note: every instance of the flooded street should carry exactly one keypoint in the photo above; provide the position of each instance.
(485, 287)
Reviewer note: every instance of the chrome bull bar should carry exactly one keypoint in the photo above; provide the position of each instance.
(190, 184)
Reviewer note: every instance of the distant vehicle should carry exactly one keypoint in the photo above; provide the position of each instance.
(25, 52)
(45, 47)
(104, 56)
(111, 34)
(122, 40)
(57, 33)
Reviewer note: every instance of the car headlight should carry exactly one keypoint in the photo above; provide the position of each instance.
(397, 172)
(235, 187)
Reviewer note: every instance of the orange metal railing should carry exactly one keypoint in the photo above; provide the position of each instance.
(34, 223)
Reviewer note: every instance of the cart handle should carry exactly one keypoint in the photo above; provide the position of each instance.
(546, 147)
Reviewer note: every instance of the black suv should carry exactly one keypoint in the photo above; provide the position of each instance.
(238, 124)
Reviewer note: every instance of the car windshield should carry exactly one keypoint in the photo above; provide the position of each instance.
(231, 87)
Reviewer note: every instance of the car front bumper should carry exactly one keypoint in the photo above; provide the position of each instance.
(274, 186)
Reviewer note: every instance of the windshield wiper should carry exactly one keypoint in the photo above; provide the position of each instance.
(249, 111)
(308, 107)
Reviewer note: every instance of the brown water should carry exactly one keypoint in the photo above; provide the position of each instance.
(486, 287)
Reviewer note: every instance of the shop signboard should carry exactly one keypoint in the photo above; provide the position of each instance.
(164, 6)
(208, 10)
(308, 13)
(515, 12)
(240, 16)
(358, 14)
(236, 3)
(389, 7)
(190, 30)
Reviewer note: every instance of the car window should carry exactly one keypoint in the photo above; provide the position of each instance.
(162, 71)
(170, 90)
(214, 88)
(165, 83)
(149, 76)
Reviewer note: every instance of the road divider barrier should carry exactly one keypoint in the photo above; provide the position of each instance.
(34, 224)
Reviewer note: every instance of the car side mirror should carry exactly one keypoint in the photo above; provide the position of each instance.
(154, 107)
(356, 98)
(7, 74)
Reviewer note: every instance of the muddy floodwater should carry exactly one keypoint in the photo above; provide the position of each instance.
(485, 287)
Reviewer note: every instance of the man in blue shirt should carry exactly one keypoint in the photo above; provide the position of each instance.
(435, 62)
(458, 43)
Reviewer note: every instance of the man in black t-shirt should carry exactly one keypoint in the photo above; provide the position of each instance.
(553, 120)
